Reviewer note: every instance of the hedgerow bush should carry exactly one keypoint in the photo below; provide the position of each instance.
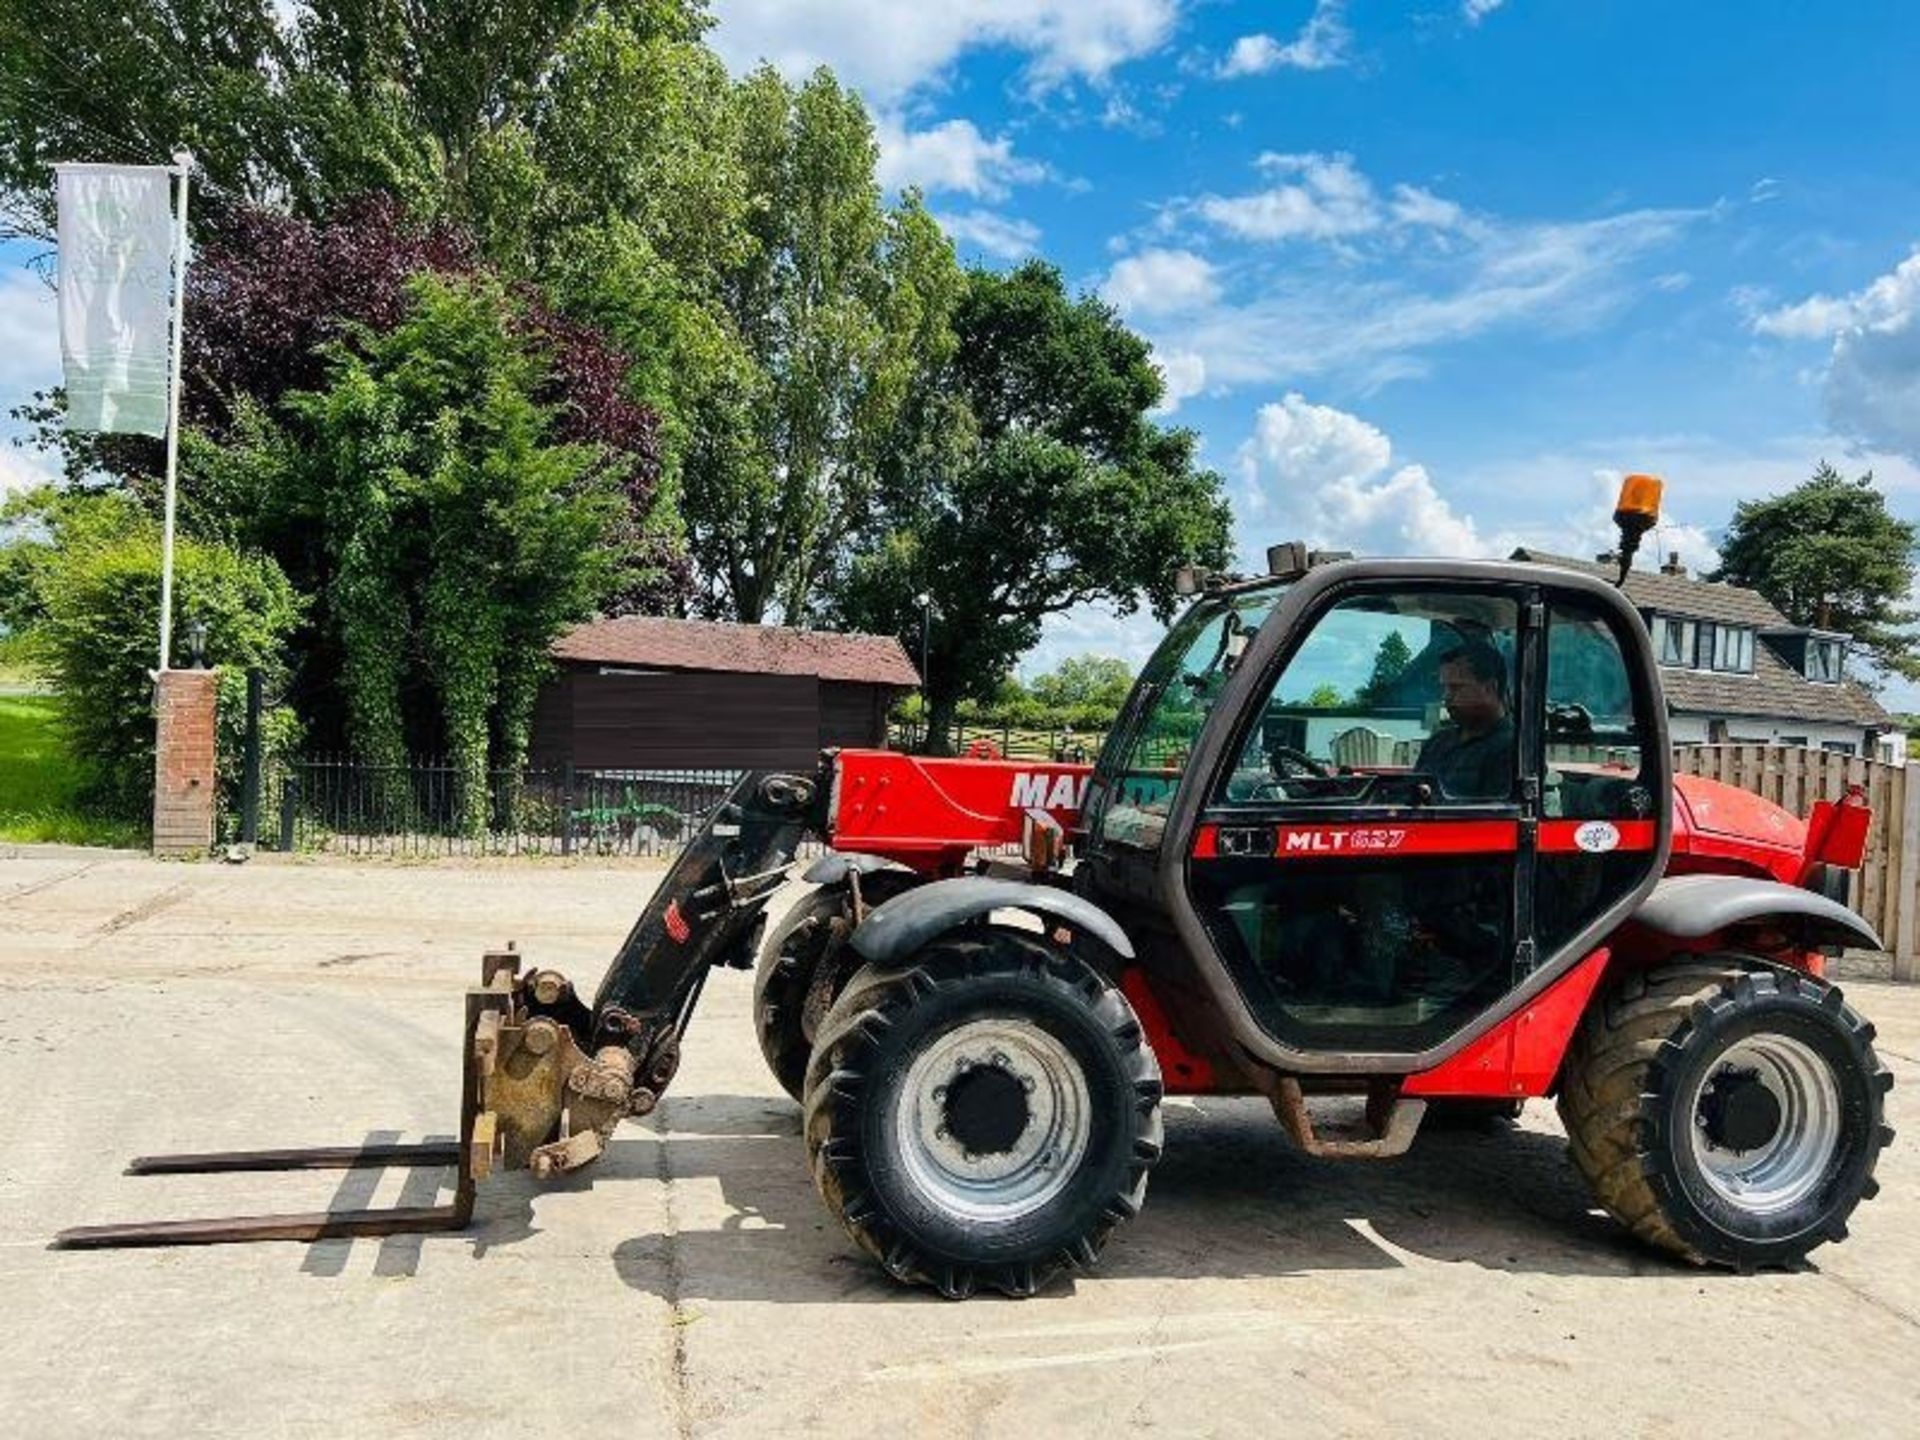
(98, 642)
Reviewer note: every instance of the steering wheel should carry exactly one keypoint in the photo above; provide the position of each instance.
(1291, 764)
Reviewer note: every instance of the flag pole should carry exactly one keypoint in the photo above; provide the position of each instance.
(182, 168)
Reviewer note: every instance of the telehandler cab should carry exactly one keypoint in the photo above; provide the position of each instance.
(1397, 829)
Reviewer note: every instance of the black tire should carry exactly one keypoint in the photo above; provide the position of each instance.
(803, 965)
(862, 1152)
(787, 1007)
(1640, 1079)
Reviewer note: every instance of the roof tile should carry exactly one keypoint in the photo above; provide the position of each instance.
(1774, 689)
(1676, 594)
(748, 649)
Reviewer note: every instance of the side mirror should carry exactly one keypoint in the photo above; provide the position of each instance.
(1232, 646)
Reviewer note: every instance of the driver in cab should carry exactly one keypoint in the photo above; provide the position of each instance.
(1472, 759)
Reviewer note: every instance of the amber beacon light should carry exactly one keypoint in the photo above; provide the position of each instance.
(1635, 513)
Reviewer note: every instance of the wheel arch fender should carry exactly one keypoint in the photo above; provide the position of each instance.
(1690, 907)
(836, 865)
(907, 921)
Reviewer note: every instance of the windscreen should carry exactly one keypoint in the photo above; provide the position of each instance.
(1145, 757)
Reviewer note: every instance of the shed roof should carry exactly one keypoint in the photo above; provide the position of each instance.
(666, 644)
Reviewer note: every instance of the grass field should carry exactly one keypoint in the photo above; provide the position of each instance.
(39, 784)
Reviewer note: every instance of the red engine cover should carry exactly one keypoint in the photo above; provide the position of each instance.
(929, 812)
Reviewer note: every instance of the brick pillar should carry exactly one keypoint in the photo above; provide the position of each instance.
(183, 758)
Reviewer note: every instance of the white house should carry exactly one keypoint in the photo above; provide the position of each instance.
(1735, 669)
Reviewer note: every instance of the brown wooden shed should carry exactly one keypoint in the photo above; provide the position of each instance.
(650, 693)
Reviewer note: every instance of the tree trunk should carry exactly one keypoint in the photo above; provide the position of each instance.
(940, 708)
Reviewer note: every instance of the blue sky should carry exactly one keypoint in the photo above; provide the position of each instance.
(1427, 277)
(1424, 277)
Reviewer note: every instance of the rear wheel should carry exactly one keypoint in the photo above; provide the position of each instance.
(984, 1116)
(1726, 1111)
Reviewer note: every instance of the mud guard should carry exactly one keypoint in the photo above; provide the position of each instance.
(905, 923)
(1690, 906)
(836, 865)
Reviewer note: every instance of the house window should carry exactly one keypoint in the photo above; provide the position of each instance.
(1823, 661)
(1673, 640)
(1723, 647)
(1839, 747)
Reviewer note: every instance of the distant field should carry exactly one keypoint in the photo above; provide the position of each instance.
(39, 784)
(15, 672)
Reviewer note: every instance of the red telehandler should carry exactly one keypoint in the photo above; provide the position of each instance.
(1469, 880)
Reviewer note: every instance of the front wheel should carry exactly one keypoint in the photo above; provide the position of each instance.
(799, 970)
(1726, 1111)
(983, 1116)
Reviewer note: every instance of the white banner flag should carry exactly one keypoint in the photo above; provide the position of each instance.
(116, 295)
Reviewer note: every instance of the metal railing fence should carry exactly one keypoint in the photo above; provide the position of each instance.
(341, 805)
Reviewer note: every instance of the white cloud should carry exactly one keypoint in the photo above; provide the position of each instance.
(1161, 282)
(21, 470)
(1184, 375)
(1371, 308)
(1872, 381)
(1003, 236)
(1323, 43)
(1413, 205)
(1296, 444)
(886, 48)
(1089, 630)
(951, 156)
(1474, 11)
(1323, 198)
(1319, 474)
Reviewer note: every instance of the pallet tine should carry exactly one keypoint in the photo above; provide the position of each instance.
(472, 1155)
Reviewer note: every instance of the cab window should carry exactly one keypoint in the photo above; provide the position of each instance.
(1391, 699)
(1596, 772)
(1178, 689)
(1593, 745)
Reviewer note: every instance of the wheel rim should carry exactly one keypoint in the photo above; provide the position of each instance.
(1035, 1152)
(1766, 1176)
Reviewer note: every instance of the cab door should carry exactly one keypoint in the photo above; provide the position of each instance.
(1363, 863)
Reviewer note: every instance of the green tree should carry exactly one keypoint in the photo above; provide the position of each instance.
(1389, 663)
(1326, 697)
(1032, 482)
(429, 101)
(838, 305)
(1828, 555)
(97, 593)
(1094, 681)
(453, 537)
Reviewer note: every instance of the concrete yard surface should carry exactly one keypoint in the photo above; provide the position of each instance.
(692, 1284)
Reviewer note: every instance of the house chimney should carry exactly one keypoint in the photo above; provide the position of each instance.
(1673, 565)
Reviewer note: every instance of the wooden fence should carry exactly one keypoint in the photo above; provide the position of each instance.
(1794, 777)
